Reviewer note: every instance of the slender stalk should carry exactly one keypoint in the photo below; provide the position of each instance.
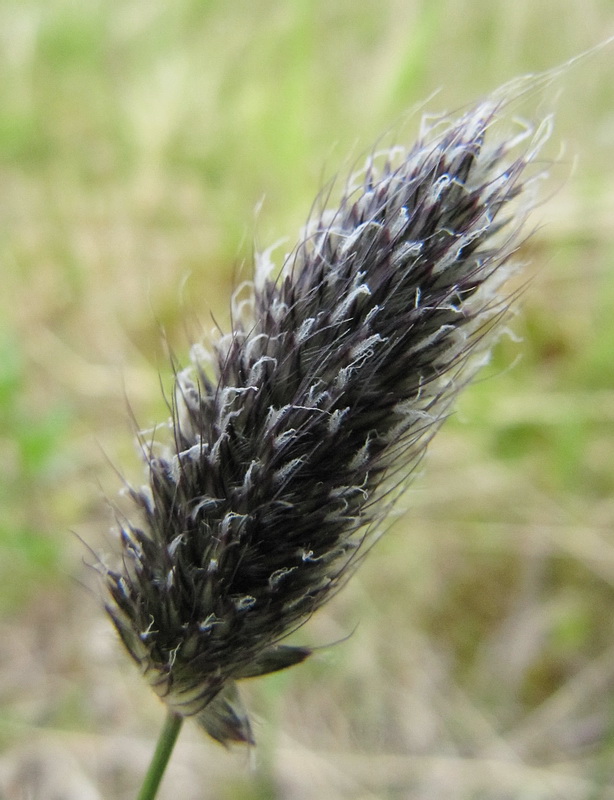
(164, 748)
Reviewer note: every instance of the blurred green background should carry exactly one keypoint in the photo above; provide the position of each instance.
(146, 149)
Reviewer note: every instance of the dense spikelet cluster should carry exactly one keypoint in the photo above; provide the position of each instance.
(292, 435)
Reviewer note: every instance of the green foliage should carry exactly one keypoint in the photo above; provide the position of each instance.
(33, 448)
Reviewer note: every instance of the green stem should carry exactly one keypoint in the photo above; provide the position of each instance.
(164, 748)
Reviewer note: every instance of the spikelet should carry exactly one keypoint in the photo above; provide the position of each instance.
(290, 449)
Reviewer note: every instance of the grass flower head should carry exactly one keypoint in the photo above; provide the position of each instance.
(292, 436)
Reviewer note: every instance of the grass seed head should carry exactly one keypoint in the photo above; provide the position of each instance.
(287, 454)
